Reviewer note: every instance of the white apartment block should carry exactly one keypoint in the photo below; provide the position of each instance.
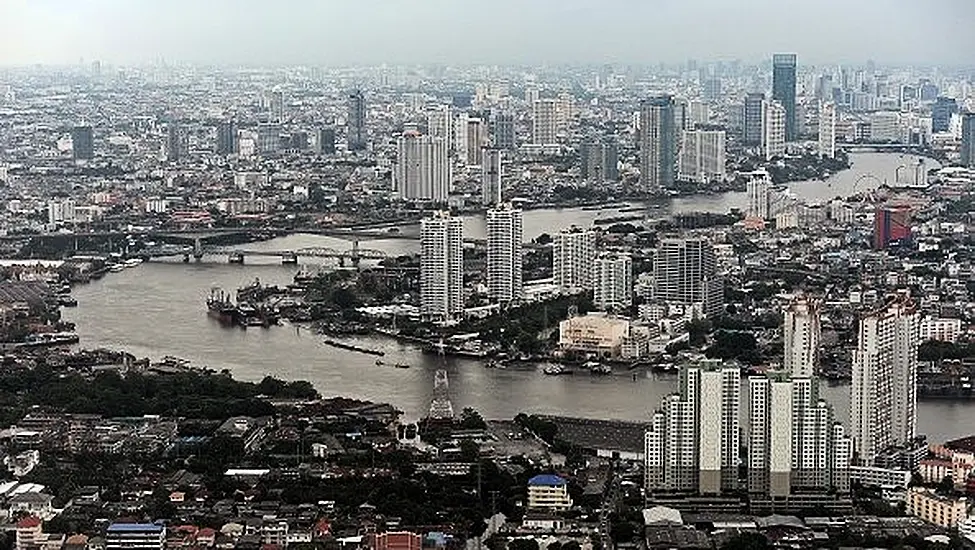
(573, 252)
(504, 254)
(422, 168)
(827, 130)
(801, 336)
(442, 267)
(773, 129)
(613, 281)
(702, 156)
(545, 122)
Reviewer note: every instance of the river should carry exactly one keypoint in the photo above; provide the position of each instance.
(157, 309)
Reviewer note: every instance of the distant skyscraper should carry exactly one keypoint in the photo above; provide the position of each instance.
(439, 122)
(503, 130)
(442, 267)
(692, 442)
(801, 335)
(504, 254)
(227, 138)
(752, 119)
(326, 141)
(685, 272)
(658, 147)
(773, 129)
(968, 140)
(356, 122)
(422, 168)
(545, 122)
(883, 393)
(702, 156)
(82, 143)
(759, 188)
(784, 89)
(175, 142)
(477, 140)
(458, 131)
(613, 281)
(491, 174)
(598, 160)
(827, 130)
(941, 113)
(891, 225)
(275, 106)
(712, 89)
(573, 251)
(268, 138)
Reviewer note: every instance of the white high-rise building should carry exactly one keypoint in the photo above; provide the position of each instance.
(504, 254)
(422, 168)
(759, 188)
(439, 122)
(458, 132)
(794, 444)
(698, 113)
(442, 267)
(702, 156)
(692, 441)
(573, 251)
(613, 281)
(883, 393)
(801, 334)
(773, 129)
(477, 140)
(685, 272)
(490, 176)
(827, 130)
(658, 143)
(545, 122)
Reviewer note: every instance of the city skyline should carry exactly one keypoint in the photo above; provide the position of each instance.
(339, 33)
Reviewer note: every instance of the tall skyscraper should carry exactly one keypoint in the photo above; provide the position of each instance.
(692, 442)
(827, 130)
(326, 141)
(274, 103)
(573, 251)
(545, 122)
(658, 143)
(356, 122)
(504, 254)
(491, 176)
(503, 130)
(439, 122)
(685, 272)
(422, 168)
(752, 119)
(442, 267)
(175, 142)
(268, 138)
(968, 140)
(941, 113)
(702, 156)
(784, 90)
(227, 138)
(458, 130)
(883, 393)
(712, 89)
(82, 143)
(794, 443)
(773, 129)
(891, 225)
(801, 335)
(613, 281)
(477, 140)
(599, 160)
(759, 189)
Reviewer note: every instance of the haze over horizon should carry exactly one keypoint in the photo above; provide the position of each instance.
(338, 32)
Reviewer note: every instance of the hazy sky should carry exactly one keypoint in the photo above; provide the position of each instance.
(341, 32)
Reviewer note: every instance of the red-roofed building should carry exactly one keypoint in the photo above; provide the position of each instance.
(321, 529)
(400, 540)
(29, 533)
(206, 537)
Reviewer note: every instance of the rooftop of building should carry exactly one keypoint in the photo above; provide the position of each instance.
(547, 480)
(135, 528)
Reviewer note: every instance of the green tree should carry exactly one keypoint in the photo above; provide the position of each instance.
(470, 451)
(470, 419)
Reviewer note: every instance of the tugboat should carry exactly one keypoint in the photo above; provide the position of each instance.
(220, 307)
(555, 370)
(401, 366)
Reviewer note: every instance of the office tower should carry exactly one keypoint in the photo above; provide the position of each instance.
(794, 444)
(491, 176)
(503, 130)
(759, 188)
(422, 168)
(573, 251)
(545, 122)
(268, 138)
(827, 130)
(356, 122)
(941, 113)
(883, 393)
(227, 138)
(784, 90)
(82, 143)
(458, 131)
(274, 103)
(599, 160)
(891, 225)
(439, 122)
(752, 119)
(702, 156)
(712, 89)
(613, 281)
(968, 140)
(685, 272)
(801, 335)
(298, 141)
(477, 140)
(442, 267)
(773, 129)
(692, 442)
(698, 114)
(175, 142)
(658, 147)
(504, 254)
(326, 141)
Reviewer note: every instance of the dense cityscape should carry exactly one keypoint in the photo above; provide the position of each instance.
(704, 305)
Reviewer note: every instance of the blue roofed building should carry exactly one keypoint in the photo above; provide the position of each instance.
(549, 492)
(135, 536)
